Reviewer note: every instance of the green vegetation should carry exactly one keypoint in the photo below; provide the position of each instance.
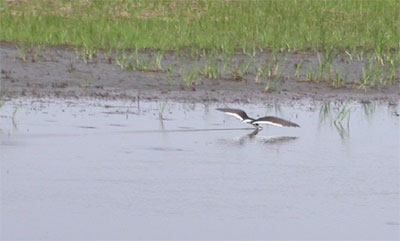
(206, 24)
(137, 62)
(210, 34)
(190, 77)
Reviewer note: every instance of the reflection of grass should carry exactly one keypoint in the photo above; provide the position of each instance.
(161, 112)
(324, 112)
(369, 109)
(343, 114)
(336, 116)
(344, 132)
(3, 100)
(13, 116)
(275, 109)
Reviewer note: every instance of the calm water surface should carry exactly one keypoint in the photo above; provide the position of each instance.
(161, 170)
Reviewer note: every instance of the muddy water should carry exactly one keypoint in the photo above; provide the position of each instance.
(161, 170)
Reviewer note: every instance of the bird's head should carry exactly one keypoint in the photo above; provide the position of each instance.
(256, 125)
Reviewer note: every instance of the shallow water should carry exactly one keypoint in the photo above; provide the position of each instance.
(86, 169)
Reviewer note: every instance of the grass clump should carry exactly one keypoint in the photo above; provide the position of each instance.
(211, 68)
(190, 77)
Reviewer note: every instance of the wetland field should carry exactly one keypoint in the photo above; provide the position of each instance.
(102, 169)
(109, 128)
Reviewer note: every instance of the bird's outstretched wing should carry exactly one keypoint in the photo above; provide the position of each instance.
(241, 115)
(271, 120)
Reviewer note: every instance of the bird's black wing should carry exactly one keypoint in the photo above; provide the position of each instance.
(241, 115)
(271, 120)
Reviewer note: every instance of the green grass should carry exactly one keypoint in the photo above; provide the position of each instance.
(208, 33)
(190, 77)
(205, 24)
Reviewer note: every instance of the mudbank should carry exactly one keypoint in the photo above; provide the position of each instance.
(63, 73)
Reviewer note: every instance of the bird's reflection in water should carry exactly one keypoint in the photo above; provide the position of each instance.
(276, 139)
(242, 140)
(245, 138)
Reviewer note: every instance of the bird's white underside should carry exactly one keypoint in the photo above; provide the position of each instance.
(267, 123)
(234, 114)
(256, 122)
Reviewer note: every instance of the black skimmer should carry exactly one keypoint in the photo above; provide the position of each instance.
(269, 120)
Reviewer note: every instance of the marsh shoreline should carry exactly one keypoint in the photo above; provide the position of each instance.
(59, 72)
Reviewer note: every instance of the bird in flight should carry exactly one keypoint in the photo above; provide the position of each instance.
(269, 120)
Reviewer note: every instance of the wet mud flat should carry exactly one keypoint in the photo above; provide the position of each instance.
(116, 169)
(66, 73)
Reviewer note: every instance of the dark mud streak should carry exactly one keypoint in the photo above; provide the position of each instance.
(58, 73)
